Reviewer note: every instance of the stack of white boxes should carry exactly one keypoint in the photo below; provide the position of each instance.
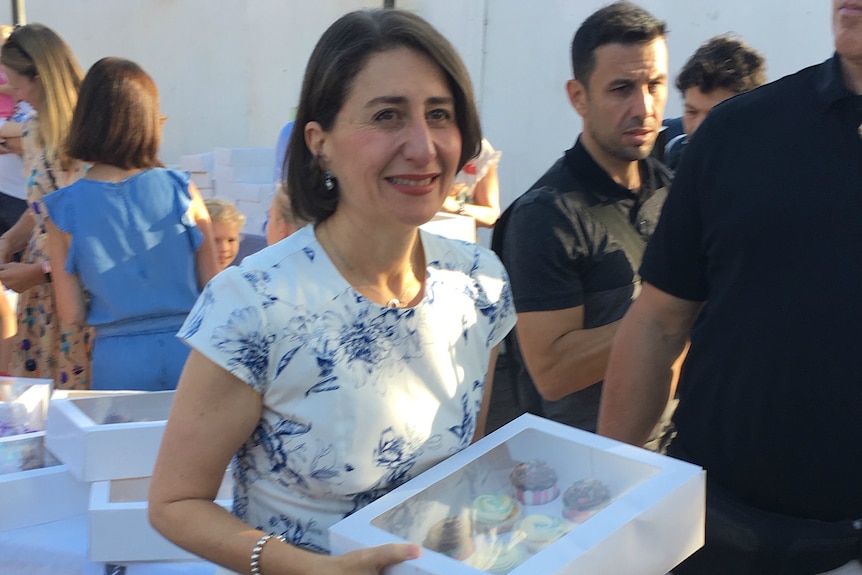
(110, 441)
(105, 445)
(200, 170)
(243, 176)
(34, 487)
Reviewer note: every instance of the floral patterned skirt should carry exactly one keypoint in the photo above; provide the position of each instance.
(45, 347)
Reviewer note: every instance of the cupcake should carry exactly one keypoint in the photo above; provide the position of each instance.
(539, 531)
(450, 536)
(495, 512)
(535, 482)
(498, 558)
(583, 498)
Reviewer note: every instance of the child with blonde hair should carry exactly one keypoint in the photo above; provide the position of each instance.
(227, 223)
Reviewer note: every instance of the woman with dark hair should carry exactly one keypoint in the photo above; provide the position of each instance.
(351, 356)
(132, 241)
(43, 72)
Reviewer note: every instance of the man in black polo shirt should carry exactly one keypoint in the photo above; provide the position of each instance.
(573, 242)
(758, 257)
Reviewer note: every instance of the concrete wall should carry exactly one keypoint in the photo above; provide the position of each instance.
(230, 71)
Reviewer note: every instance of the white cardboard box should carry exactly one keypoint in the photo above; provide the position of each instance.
(245, 156)
(108, 436)
(34, 487)
(224, 174)
(258, 193)
(120, 530)
(653, 520)
(197, 162)
(453, 226)
(23, 404)
(203, 180)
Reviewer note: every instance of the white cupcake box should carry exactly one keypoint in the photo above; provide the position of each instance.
(119, 529)
(108, 436)
(653, 520)
(23, 404)
(34, 487)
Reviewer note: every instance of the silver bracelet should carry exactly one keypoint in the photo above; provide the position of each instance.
(255, 553)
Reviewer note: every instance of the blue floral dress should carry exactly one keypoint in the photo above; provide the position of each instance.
(357, 398)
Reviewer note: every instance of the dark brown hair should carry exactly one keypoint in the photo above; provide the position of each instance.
(723, 62)
(117, 120)
(340, 54)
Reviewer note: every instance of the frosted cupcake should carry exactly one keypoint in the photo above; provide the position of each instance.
(583, 498)
(498, 558)
(539, 531)
(450, 536)
(535, 482)
(495, 512)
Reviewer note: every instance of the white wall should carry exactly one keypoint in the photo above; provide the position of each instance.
(230, 71)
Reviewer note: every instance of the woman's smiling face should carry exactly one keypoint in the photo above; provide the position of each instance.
(395, 144)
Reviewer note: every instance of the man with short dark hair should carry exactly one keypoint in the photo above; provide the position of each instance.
(722, 67)
(758, 259)
(573, 242)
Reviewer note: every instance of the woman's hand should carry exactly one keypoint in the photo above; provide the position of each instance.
(21, 277)
(371, 560)
(451, 205)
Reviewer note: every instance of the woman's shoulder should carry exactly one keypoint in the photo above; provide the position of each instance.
(471, 258)
(297, 244)
(161, 174)
(287, 271)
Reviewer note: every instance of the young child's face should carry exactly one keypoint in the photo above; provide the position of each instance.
(227, 242)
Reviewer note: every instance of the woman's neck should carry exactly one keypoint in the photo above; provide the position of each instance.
(109, 173)
(387, 269)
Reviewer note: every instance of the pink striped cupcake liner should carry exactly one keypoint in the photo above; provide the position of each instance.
(537, 497)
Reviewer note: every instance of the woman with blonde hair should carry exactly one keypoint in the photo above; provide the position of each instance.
(43, 72)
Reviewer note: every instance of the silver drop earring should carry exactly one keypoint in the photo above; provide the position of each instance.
(329, 180)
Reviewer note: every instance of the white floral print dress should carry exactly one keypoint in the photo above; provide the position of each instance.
(358, 398)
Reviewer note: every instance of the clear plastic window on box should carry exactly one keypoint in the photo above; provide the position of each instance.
(24, 453)
(126, 408)
(514, 500)
(23, 405)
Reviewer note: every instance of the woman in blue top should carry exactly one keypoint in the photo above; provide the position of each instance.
(135, 237)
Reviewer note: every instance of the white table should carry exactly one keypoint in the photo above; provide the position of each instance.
(60, 548)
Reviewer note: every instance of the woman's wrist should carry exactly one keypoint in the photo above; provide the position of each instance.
(255, 553)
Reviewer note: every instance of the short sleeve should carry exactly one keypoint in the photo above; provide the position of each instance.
(183, 203)
(541, 248)
(61, 211)
(495, 297)
(229, 327)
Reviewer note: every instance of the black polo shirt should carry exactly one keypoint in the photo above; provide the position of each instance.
(764, 223)
(559, 255)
